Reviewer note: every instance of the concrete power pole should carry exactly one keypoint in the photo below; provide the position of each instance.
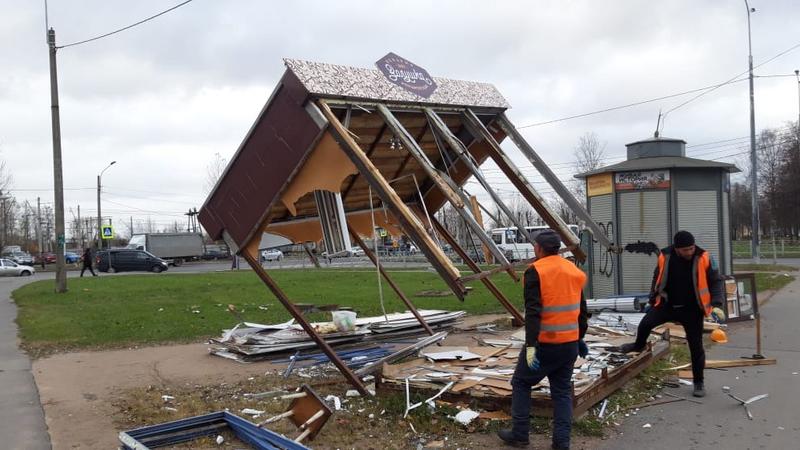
(58, 177)
(755, 247)
(39, 239)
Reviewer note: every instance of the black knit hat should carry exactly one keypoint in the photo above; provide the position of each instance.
(683, 239)
(548, 240)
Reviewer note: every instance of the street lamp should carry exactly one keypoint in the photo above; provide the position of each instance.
(753, 158)
(797, 74)
(99, 216)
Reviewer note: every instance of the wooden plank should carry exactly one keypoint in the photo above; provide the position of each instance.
(727, 363)
(408, 221)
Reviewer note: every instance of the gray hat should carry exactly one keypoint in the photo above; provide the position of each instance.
(548, 240)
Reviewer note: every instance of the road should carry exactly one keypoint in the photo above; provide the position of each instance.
(720, 422)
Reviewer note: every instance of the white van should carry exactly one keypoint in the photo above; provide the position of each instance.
(514, 244)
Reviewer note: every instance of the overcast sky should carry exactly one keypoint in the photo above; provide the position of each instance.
(162, 98)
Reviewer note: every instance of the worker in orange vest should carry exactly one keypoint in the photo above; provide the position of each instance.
(556, 320)
(686, 288)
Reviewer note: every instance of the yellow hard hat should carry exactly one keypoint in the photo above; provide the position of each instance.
(719, 336)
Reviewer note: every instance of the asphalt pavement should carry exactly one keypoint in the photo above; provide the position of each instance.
(720, 422)
(22, 424)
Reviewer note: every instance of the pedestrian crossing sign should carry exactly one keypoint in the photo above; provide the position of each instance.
(108, 232)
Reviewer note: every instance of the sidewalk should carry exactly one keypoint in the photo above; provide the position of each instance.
(720, 422)
(22, 424)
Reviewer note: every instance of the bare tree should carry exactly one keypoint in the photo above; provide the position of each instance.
(589, 155)
(214, 171)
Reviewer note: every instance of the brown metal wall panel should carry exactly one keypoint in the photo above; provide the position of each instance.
(271, 154)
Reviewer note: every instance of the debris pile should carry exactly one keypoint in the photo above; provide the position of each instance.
(248, 341)
(483, 372)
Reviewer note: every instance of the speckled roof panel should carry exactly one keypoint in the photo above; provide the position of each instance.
(333, 80)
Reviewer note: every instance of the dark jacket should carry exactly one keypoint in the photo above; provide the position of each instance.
(532, 294)
(715, 284)
(87, 258)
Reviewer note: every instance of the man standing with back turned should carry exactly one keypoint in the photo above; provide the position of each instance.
(556, 320)
(686, 288)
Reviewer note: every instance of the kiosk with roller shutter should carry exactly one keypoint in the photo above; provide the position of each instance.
(642, 202)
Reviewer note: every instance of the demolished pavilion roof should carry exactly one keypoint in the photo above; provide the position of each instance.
(338, 129)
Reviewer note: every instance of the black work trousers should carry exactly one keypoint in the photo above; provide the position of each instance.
(691, 318)
(90, 270)
(556, 362)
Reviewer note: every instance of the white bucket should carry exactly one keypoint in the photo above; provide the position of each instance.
(344, 320)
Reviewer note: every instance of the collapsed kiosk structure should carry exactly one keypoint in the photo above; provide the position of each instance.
(337, 151)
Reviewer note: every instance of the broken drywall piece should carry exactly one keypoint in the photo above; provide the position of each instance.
(252, 412)
(337, 402)
(466, 416)
(220, 440)
(458, 354)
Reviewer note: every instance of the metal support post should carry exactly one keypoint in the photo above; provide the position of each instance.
(451, 191)
(307, 327)
(519, 319)
(409, 222)
(525, 188)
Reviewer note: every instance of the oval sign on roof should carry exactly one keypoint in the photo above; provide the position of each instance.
(407, 75)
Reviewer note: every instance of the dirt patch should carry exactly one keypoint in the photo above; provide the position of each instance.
(88, 397)
(77, 390)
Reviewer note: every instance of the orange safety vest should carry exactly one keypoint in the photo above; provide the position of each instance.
(699, 277)
(561, 285)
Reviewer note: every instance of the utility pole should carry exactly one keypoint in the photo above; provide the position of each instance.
(131, 226)
(755, 247)
(58, 177)
(80, 228)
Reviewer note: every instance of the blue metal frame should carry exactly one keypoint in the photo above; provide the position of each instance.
(185, 430)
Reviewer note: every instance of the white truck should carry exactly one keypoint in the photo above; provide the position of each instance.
(174, 248)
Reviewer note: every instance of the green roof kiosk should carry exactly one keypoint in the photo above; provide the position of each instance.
(641, 202)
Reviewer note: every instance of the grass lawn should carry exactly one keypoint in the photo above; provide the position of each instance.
(119, 311)
(771, 281)
(763, 268)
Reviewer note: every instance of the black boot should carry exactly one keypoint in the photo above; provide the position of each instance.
(627, 348)
(699, 389)
(509, 438)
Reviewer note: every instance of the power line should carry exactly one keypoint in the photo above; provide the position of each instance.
(737, 76)
(629, 105)
(126, 28)
(679, 94)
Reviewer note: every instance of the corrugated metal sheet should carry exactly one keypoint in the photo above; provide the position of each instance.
(698, 213)
(603, 269)
(727, 264)
(643, 216)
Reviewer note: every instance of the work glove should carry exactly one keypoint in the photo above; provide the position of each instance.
(717, 314)
(531, 359)
(583, 349)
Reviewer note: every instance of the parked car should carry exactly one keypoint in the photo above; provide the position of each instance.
(357, 251)
(216, 253)
(271, 255)
(71, 258)
(129, 260)
(47, 257)
(9, 268)
(22, 258)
